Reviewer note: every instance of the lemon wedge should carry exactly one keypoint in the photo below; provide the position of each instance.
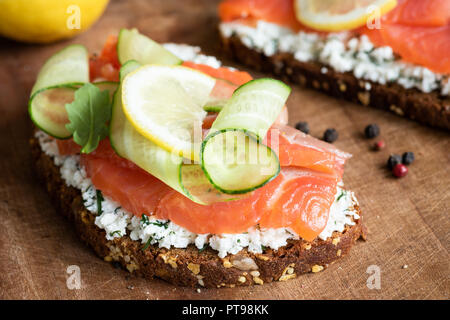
(340, 15)
(165, 105)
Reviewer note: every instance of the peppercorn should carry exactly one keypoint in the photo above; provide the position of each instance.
(302, 126)
(408, 158)
(400, 170)
(393, 160)
(379, 145)
(330, 135)
(371, 131)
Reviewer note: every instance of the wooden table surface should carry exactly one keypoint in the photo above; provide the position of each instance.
(408, 219)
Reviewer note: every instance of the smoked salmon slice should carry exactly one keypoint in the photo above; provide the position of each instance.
(133, 188)
(234, 76)
(426, 46)
(301, 200)
(419, 13)
(297, 149)
(280, 12)
(418, 31)
(297, 198)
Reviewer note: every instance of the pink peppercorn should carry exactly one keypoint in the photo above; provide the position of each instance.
(400, 170)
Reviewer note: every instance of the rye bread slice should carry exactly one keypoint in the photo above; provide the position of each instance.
(190, 267)
(427, 108)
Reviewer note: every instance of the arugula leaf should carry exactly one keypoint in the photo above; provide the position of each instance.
(88, 114)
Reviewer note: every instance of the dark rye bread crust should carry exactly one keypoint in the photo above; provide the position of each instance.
(189, 267)
(428, 108)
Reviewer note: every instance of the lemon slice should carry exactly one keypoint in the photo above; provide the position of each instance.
(165, 105)
(339, 15)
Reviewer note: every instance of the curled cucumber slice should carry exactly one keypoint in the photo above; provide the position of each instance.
(55, 86)
(57, 81)
(134, 46)
(66, 67)
(233, 156)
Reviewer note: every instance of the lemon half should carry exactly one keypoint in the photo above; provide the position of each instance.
(45, 21)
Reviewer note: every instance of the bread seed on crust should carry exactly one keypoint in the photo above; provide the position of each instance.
(262, 257)
(131, 267)
(396, 110)
(195, 268)
(316, 268)
(244, 263)
(364, 98)
(254, 273)
(336, 241)
(169, 260)
(316, 84)
(258, 280)
(227, 263)
(287, 277)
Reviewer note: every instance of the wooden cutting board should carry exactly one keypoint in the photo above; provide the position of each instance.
(408, 219)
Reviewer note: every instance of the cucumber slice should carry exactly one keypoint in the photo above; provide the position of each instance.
(55, 86)
(233, 156)
(188, 179)
(254, 107)
(47, 107)
(134, 46)
(66, 67)
(47, 110)
(127, 68)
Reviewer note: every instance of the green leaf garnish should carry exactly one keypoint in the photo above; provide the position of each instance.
(88, 114)
(99, 202)
(161, 224)
(343, 193)
(113, 233)
(147, 244)
(144, 220)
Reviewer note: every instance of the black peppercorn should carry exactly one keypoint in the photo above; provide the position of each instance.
(302, 126)
(393, 160)
(330, 135)
(371, 131)
(408, 158)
